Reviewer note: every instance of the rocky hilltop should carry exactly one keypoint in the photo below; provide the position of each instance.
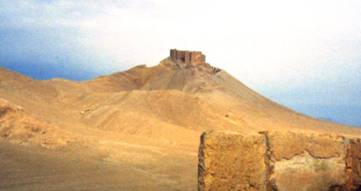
(139, 129)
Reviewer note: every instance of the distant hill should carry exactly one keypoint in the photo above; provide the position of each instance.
(139, 128)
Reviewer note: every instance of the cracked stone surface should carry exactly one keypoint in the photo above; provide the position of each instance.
(283, 161)
(220, 156)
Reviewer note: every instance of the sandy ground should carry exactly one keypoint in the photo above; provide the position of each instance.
(133, 130)
(76, 168)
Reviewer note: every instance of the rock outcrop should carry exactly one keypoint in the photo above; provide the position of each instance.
(17, 126)
(283, 161)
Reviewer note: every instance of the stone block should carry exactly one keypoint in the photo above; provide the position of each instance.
(307, 161)
(282, 161)
(231, 161)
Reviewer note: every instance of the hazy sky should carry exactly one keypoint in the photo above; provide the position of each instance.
(305, 54)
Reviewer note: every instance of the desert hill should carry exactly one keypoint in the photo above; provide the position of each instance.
(142, 125)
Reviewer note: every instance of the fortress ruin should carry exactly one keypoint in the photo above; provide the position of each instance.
(279, 161)
(188, 57)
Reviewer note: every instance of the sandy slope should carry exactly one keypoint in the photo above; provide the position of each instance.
(133, 130)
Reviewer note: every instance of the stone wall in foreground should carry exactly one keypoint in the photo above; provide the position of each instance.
(278, 161)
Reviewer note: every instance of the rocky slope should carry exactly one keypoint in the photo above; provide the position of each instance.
(145, 121)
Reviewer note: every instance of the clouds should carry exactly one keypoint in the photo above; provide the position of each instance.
(265, 41)
(22, 14)
(52, 13)
(276, 47)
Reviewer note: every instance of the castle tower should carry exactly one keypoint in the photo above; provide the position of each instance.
(188, 57)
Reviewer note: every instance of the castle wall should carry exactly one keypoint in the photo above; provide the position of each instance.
(188, 57)
(278, 161)
(231, 162)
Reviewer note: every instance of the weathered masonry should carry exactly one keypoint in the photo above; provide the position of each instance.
(279, 161)
(188, 57)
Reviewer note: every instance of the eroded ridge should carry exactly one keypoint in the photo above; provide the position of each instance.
(283, 161)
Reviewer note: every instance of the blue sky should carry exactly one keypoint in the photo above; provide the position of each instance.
(304, 54)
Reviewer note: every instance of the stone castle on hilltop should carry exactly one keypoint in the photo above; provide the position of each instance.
(188, 57)
(191, 59)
